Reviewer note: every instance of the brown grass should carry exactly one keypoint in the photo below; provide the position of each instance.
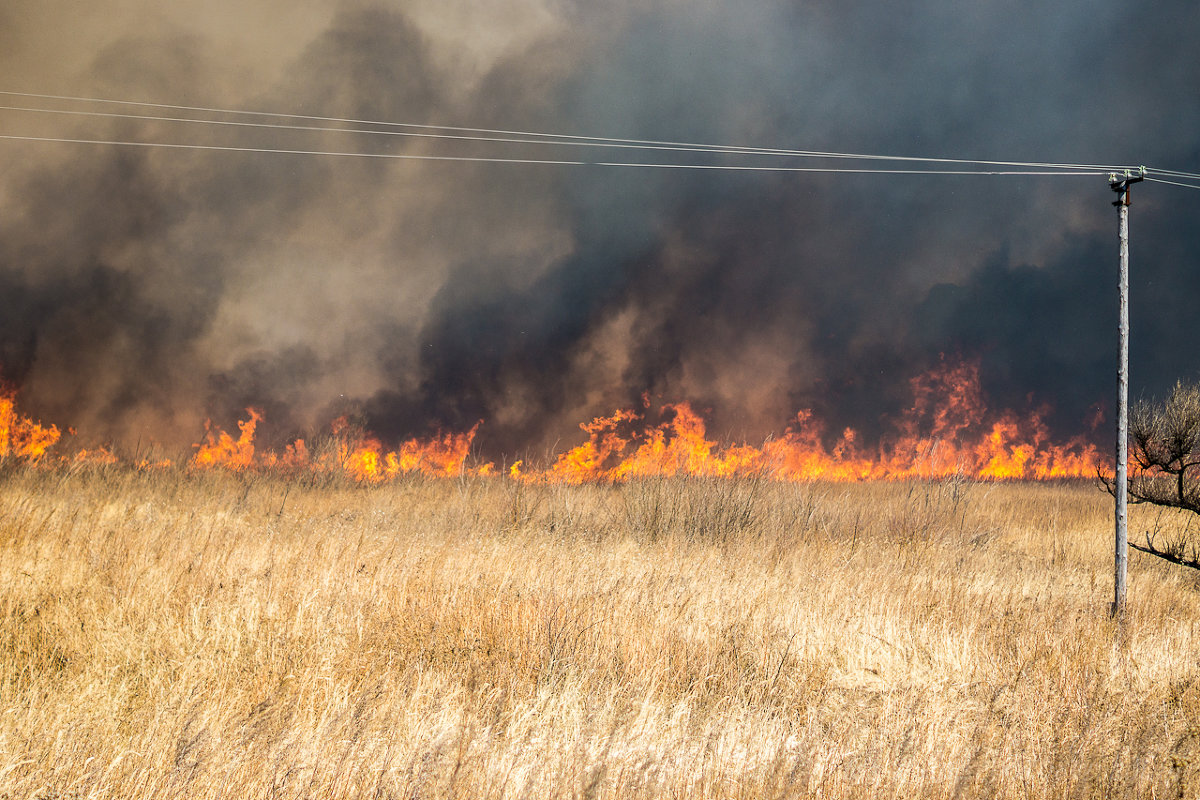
(220, 635)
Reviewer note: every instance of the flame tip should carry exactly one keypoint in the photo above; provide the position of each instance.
(946, 431)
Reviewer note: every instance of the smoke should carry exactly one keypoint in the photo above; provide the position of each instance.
(142, 291)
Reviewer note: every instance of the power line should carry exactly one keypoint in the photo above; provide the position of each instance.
(1173, 173)
(283, 151)
(1173, 183)
(501, 136)
(851, 170)
(555, 139)
(368, 132)
(560, 162)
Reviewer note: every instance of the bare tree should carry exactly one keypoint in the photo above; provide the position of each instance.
(1164, 445)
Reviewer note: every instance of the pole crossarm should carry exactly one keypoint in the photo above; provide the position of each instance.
(1120, 184)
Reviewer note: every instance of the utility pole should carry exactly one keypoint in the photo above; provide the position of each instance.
(1120, 185)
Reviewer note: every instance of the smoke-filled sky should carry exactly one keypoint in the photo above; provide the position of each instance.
(143, 290)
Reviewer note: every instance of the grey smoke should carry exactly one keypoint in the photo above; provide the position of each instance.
(142, 291)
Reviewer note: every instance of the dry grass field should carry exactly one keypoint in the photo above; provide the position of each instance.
(201, 635)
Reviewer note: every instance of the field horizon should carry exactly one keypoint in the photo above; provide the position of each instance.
(213, 633)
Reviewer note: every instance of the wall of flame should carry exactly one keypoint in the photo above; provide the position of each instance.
(947, 431)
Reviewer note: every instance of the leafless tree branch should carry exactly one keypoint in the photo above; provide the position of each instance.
(1164, 445)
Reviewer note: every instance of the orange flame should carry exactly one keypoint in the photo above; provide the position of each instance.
(223, 450)
(361, 457)
(444, 455)
(21, 437)
(946, 431)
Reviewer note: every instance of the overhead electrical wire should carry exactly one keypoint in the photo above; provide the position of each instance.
(284, 151)
(1150, 178)
(369, 132)
(1172, 177)
(1173, 173)
(522, 137)
(493, 135)
(560, 138)
(560, 162)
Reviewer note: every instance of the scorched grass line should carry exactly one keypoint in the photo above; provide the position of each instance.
(192, 634)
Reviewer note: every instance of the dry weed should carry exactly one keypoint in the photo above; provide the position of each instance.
(223, 635)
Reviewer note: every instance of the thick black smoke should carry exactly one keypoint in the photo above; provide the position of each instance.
(142, 290)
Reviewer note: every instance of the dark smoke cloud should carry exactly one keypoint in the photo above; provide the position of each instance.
(143, 290)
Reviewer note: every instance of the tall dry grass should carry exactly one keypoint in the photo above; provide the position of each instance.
(219, 635)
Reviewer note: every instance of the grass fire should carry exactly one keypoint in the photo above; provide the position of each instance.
(648, 615)
(637, 400)
(948, 431)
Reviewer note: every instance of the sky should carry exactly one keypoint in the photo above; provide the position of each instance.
(145, 290)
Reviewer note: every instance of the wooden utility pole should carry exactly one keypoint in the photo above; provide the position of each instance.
(1120, 185)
